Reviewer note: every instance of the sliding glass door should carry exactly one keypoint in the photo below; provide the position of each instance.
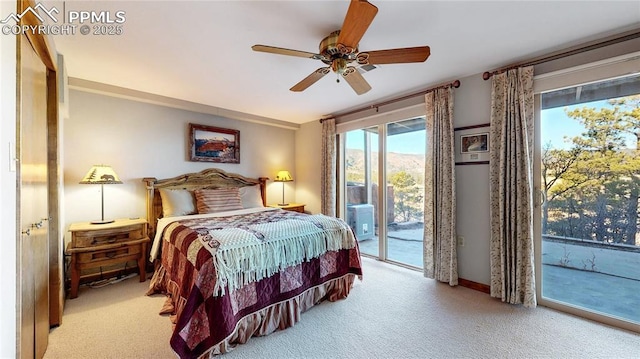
(388, 219)
(361, 178)
(405, 149)
(589, 163)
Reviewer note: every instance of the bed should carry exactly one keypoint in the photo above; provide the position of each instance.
(232, 271)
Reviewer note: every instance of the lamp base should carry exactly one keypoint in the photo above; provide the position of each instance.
(103, 221)
(283, 204)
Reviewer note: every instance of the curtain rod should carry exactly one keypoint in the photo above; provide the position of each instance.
(576, 50)
(455, 84)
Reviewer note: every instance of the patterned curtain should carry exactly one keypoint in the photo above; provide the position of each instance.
(328, 181)
(511, 187)
(440, 256)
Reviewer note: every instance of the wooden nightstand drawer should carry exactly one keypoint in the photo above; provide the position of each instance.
(108, 254)
(94, 238)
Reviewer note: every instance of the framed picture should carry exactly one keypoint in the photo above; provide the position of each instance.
(472, 145)
(214, 144)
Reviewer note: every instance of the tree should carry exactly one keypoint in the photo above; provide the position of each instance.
(592, 190)
(408, 196)
(557, 178)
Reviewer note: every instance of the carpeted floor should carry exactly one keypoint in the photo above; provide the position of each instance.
(393, 313)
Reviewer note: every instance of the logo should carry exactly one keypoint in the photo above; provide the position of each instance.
(87, 22)
(34, 11)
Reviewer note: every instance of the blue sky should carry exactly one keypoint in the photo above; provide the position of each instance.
(555, 125)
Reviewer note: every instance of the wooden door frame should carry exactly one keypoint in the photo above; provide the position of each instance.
(45, 50)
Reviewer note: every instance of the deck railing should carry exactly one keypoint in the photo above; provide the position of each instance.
(591, 243)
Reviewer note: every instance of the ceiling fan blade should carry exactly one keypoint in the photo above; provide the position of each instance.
(283, 51)
(355, 80)
(356, 22)
(394, 56)
(311, 79)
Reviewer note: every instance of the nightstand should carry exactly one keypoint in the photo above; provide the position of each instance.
(294, 207)
(101, 245)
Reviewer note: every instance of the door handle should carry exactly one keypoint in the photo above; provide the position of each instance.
(538, 198)
(39, 224)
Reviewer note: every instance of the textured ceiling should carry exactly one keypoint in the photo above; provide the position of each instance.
(200, 51)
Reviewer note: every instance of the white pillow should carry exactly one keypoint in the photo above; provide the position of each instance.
(250, 196)
(177, 202)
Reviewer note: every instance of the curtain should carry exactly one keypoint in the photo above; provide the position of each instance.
(440, 256)
(328, 170)
(511, 187)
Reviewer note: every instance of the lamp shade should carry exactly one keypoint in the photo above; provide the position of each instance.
(283, 176)
(101, 174)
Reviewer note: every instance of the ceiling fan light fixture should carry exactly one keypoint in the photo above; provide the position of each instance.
(339, 65)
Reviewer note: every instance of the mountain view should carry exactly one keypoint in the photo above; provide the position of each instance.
(396, 162)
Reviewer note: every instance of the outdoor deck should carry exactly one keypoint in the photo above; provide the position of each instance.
(604, 280)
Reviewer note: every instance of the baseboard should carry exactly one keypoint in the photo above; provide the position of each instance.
(474, 285)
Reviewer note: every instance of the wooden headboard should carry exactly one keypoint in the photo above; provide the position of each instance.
(209, 178)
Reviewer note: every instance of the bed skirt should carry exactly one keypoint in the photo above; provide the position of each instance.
(285, 314)
(262, 322)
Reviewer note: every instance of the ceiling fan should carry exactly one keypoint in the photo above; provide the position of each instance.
(339, 50)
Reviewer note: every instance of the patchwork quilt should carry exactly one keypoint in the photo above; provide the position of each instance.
(219, 271)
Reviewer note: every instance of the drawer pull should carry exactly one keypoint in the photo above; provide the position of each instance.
(109, 240)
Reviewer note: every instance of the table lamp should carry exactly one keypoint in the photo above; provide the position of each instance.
(101, 174)
(283, 176)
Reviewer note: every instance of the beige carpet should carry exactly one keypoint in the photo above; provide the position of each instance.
(392, 313)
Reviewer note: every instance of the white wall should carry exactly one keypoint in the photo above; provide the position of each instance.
(8, 215)
(146, 140)
(472, 106)
(308, 166)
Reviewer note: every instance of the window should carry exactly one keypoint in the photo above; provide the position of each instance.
(388, 221)
(589, 166)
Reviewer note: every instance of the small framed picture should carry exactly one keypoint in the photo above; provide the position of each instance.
(472, 144)
(214, 144)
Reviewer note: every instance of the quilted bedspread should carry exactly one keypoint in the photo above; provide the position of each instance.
(221, 270)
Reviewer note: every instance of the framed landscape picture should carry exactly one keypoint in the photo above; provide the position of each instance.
(472, 144)
(214, 144)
